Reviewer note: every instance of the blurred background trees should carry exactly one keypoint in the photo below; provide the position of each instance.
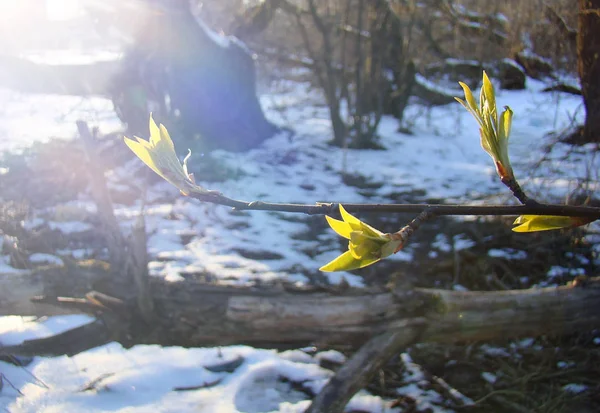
(194, 62)
(370, 57)
(588, 52)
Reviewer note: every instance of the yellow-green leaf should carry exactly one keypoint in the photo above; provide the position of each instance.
(391, 247)
(140, 149)
(341, 228)
(494, 131)
(488, 93)
(470, 100)
(158, 153)
(505, 123)
(346, 262)
(350, 219)
(533, 223)
(363, 246)
(154, 131)
(165, 137)
(370, 231)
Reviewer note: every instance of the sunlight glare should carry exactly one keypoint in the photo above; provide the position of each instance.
(13, 11)
(62, 9)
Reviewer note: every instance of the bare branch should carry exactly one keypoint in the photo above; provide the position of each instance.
(358, 371)
(325, 208)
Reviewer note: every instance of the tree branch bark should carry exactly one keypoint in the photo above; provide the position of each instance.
(326, 208)
(358, 371)
(193, 314)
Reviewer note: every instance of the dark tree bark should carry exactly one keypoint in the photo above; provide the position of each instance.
(588, 52)
(201, 85)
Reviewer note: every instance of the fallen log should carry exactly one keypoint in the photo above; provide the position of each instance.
(377, 323)
(189, 313)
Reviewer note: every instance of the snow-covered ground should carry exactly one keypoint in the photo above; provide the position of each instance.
(442, 156)
(173, 379)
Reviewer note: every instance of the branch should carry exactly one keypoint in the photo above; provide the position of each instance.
(568, 32)
(117, 246)
(70, 342)
(328, 208)
(358, 371)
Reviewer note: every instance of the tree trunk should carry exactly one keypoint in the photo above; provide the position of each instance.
(210, 81)
(204, 84)
(588, 52)
(323, 67)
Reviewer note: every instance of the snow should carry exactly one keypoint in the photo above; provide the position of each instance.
(457, 242)
(495, 351)
(332, 356)
(512, 63)
(7, 269)
(66, 57)
(458, 287)
(565, 364)
(523, 343)
(556, 273)
(70, 227)
(163, 379)
(489, 377)
(40, 258)
(14, 329)
(575, 388)
(508, 253)
(54, 116)
(420, 79)
(415, 381)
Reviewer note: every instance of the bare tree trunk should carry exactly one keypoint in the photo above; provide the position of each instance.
(588, 51)
(209, 82)
(323, 67)
(117, 247)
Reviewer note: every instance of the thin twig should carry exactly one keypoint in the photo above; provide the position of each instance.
(4, 378)
(517, 191)
(205, 385)
(92, 385)
(405, 233)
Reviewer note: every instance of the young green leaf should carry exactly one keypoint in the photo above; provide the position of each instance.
(494, 131)
(159, 155)
(533, 223)
(366, 245)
